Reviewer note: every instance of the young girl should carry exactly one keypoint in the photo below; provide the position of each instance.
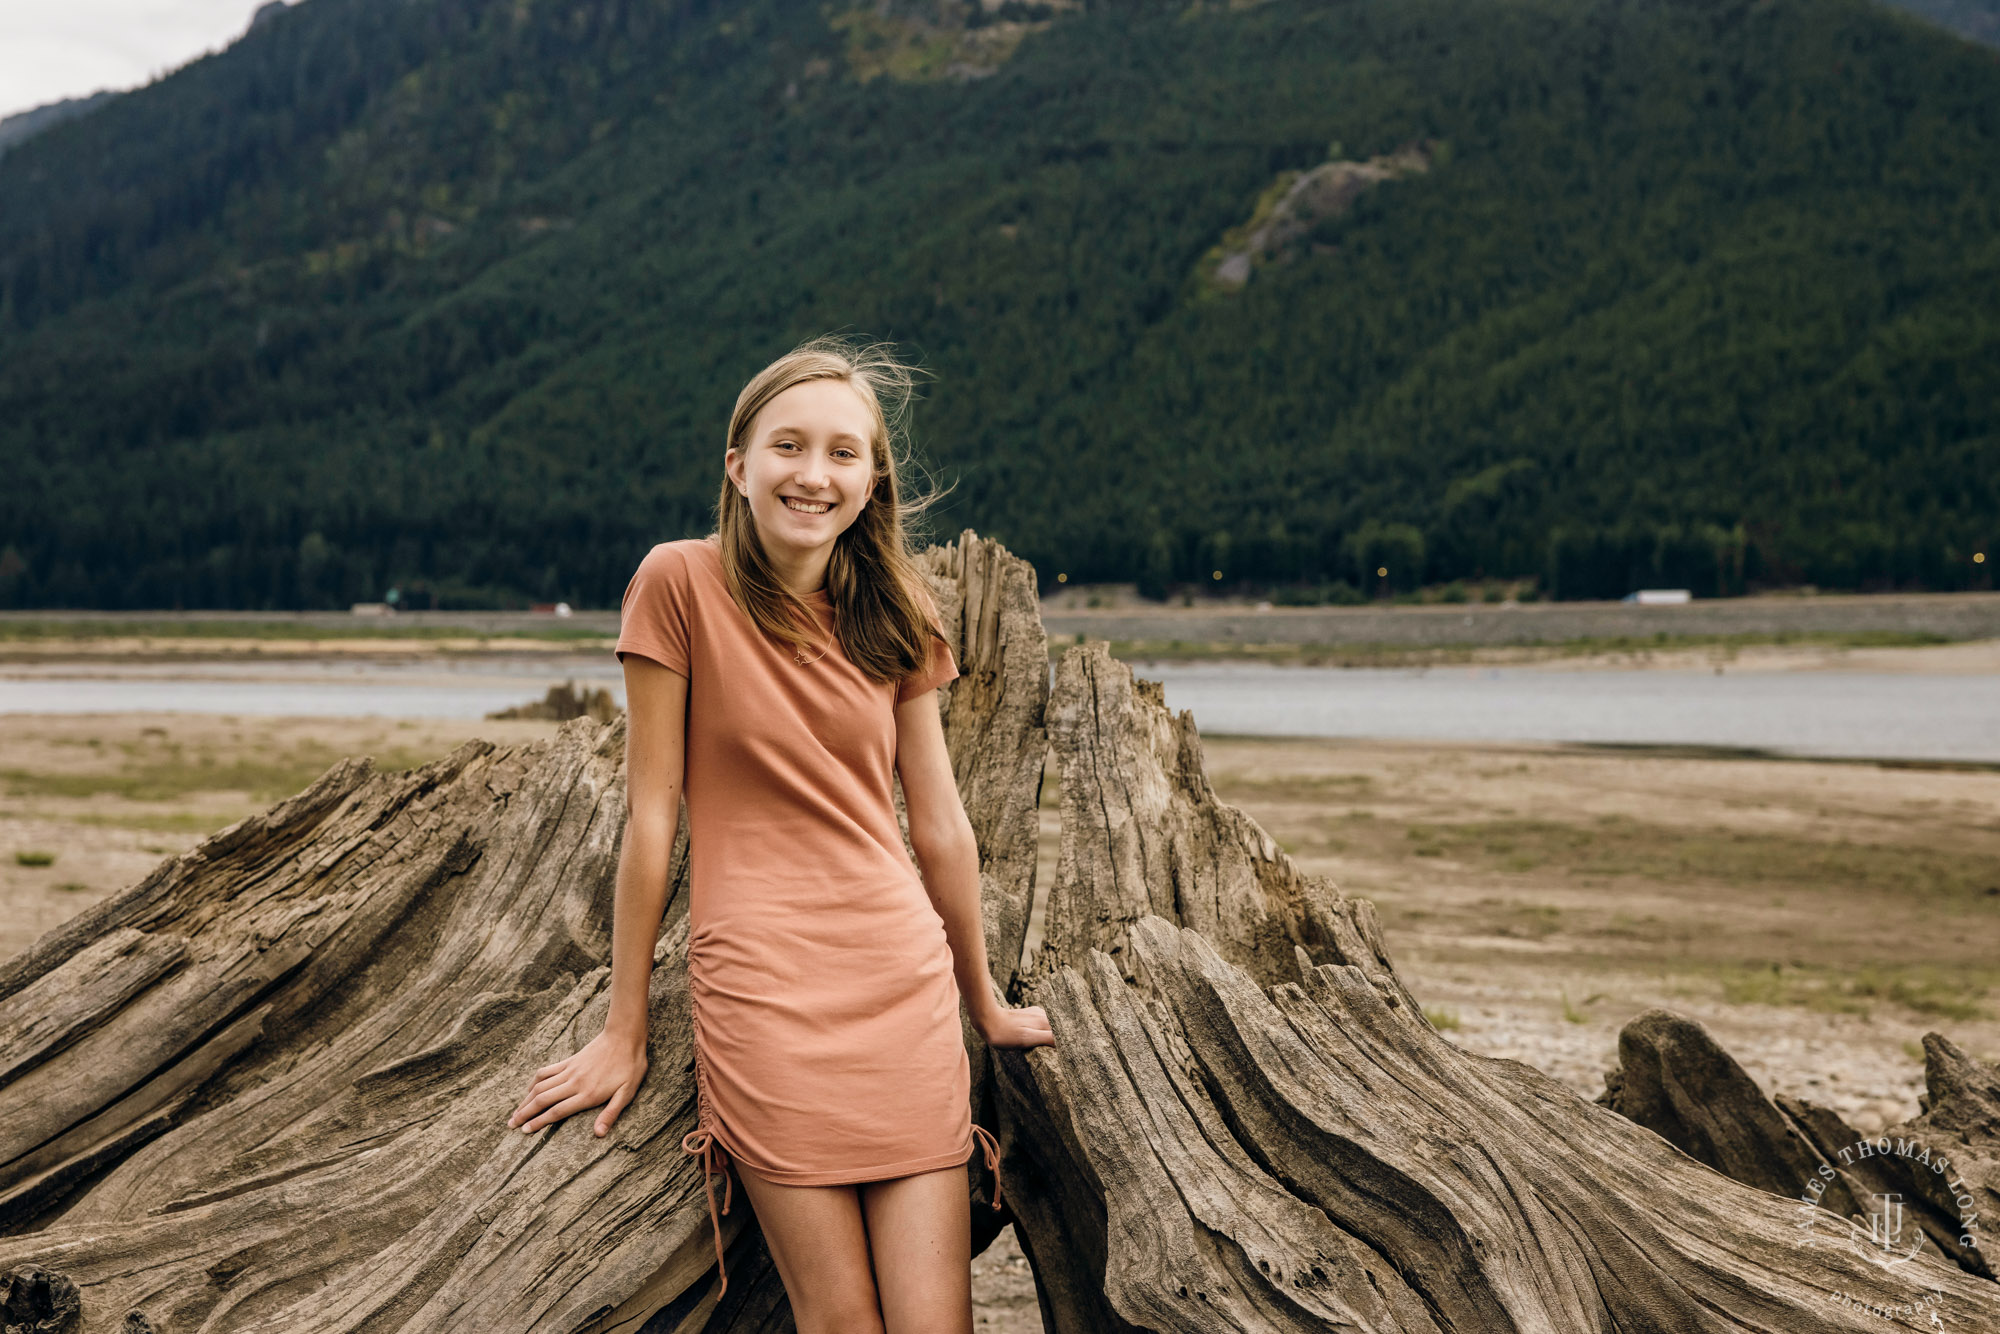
(784, 666)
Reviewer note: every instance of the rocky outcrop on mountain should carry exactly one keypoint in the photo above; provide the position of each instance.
(1297, 201)
(929, 40)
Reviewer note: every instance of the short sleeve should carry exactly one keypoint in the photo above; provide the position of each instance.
(941, 668)
(654, 617)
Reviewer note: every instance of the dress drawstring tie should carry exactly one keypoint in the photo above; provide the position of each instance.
(714, 1160)
(992, 1147)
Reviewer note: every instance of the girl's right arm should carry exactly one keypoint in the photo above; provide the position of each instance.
(608, 1069)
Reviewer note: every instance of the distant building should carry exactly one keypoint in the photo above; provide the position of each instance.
(1660, 597)
(372, 609)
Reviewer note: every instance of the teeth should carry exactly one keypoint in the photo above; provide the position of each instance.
(805, 508)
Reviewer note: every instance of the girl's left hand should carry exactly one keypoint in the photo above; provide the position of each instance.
(1027, 1026)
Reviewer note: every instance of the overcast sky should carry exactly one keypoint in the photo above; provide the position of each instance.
(51, 49)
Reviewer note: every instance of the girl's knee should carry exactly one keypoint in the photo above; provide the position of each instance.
(838, 1317)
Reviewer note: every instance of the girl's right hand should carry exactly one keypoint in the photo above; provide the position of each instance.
(607, 1071)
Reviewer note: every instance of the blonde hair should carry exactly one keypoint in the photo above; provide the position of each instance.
(883, 611)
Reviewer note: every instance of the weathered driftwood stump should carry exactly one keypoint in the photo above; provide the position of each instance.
(1941, 1171)
(266, 1088)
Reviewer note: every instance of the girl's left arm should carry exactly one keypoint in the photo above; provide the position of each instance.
(948, 855)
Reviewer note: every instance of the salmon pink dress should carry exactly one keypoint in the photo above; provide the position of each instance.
(826, 1031)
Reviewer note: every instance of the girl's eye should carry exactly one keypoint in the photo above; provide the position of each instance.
(843, 451)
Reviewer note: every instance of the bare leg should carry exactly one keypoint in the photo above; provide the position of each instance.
(820, 1244)
(920, 1232)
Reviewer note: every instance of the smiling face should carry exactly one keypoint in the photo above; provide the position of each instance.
(806, 467)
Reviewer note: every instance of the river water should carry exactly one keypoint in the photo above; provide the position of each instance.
(1826, 713)
(1877, 715)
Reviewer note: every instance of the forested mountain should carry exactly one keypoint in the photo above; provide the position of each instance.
(24, 125)
(457, 294)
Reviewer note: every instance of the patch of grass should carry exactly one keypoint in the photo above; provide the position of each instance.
(72, 886)
(1421, 842)
(166, 772)
(1915, 1051)
(1511, 845)
(1616, 846)
(1503, 771)
(1296, 787)
(159, 822)
(1535, 921)
(264, 779)
(1924, 992)
(31, 857)
(1443, 1018)
(1943, 994)
(1774, 987)
(1649, 927)
(1570, 1013)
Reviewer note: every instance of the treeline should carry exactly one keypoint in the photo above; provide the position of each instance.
(455, 296)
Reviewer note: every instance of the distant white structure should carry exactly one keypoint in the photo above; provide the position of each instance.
(372, 609)
(1660, 597)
